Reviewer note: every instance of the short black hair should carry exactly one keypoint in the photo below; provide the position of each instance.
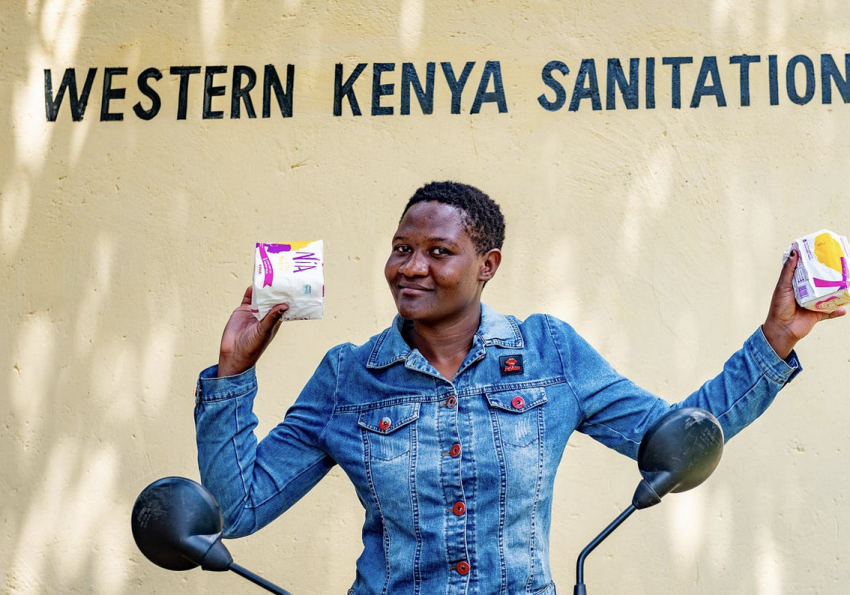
(482, 217)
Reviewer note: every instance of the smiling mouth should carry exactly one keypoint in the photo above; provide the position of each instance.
(412, 289)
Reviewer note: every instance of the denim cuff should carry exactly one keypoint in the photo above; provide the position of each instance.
(210, 388)
(781, 371)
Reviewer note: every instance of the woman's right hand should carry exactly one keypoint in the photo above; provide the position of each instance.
(245, 338)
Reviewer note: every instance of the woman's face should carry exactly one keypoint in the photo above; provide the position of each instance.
(434, 272)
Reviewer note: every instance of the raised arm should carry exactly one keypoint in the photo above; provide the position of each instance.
(617, 412)
(255, 482)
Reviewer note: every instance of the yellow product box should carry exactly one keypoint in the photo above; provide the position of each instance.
(821, 276)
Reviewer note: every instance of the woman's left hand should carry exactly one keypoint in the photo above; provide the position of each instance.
(787, 322)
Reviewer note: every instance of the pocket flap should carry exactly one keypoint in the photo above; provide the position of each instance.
(386, 420)
(517, 401)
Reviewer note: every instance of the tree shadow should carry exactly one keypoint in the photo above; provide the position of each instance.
(119, 250)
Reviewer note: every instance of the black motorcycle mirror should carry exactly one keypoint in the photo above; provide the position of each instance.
(177, 525)
(676, 454)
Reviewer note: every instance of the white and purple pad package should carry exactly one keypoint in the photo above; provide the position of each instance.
(821, 279)
(293, 274)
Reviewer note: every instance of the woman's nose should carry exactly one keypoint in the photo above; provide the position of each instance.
(415, 265)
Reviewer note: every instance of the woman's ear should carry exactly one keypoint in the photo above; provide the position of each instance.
(490, 264)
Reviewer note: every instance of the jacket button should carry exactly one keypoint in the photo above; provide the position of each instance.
(451, 402)
(459, 508)
(454, 451)
(518, 402)
(384, 423)
(462, 568)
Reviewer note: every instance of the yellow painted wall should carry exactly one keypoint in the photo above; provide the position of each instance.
(657, 232)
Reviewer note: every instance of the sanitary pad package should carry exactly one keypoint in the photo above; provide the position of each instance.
(821, 279)
(289, 274)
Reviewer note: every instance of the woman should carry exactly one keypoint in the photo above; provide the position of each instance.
(451, 423)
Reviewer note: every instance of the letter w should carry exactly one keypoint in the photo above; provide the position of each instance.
(69, 81)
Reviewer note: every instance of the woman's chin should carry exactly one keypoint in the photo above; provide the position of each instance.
(410, 311)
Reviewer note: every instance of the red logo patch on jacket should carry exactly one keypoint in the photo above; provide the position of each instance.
(510, 364)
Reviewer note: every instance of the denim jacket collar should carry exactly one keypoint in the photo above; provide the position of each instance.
(495, 329)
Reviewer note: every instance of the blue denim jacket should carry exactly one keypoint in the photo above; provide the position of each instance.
(456, 476)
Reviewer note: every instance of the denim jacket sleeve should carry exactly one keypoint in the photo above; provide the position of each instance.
(253, 482)
(617, 412)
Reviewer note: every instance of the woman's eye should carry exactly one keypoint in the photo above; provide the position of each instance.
(401, 248)
(440, 252)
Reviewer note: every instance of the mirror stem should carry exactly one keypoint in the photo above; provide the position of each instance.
(244, 572)
(580, 588)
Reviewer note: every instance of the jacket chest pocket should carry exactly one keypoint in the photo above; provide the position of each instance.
(517, 415)
(388, 431)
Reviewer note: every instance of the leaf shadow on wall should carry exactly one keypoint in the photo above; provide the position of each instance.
(102, 343)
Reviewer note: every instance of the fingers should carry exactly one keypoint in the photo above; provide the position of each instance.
(271, 322)
(246, 299)
(276, 326)
(838, 313)
(788, 268)
(266, 330)
(278, 310)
